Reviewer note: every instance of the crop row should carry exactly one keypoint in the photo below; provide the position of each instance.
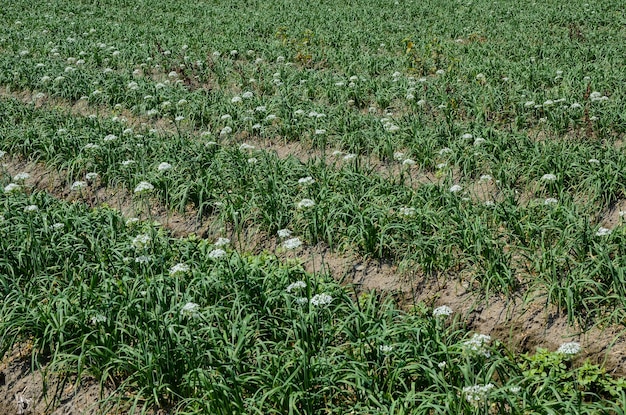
(460, 87)
(193, 324)
(550, 241)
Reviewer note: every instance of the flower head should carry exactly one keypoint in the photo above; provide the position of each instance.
(164, 166)
(12, 188)
(143, 259)
(31, 208)
(406, 211)
(442, 311)
(477, 394)
(305, 203)
(217, 253)
(190, 310)
(20, 177)
(141, 241)
(78, 185)
(477, 345)
(292, 243)
(455, 188)
(306, 180)
(549, 177)
(222, 242)
(570, 348)
(385, 348)
(298, 285)
(143, 187)
(321, 299)
(91, 176)
(179, 270)
(284, 233)
(603, 232)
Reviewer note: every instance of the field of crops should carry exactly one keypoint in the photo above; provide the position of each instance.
(180, 178)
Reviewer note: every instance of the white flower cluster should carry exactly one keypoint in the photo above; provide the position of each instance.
(143, 259)
(217, 253)
(295, 286)
(20, 177)
(306, 181)
(222, 242)
(549, 177)
(570, 348)
(78, 185)
(442, 311)
(385, 348)
(190, 310)
(305, 203)
(292, 243)
(477, 394)
(143, 187)
(141, 241)
(477, 345)
(406, 211)
(603, 232)
(164, 166)
(284, 233)
(321, 299)
(91, 176)
(179, 270)
(12, 188)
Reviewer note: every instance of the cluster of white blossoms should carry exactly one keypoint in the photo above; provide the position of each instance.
(321, 299)
(456, 188)
(217, 253)
(305, 203)
(284, 233)
(385, 348)
(603, 232)
(164, 166)
(406, 211)
(306, 181)
(141, 241)
(292, 243)
(298, 285)
(91, 176)
(569, 348)
(179, 270)
(477, 345)
(143, 259)
(596, 96)
(143, 188)
(442, 311)
(12, 188)
(221, 242)
(20, 177)
(78, 185)
(477, 394)
(31, 208)
(549, 177)
(132, 221)
(190, 310)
